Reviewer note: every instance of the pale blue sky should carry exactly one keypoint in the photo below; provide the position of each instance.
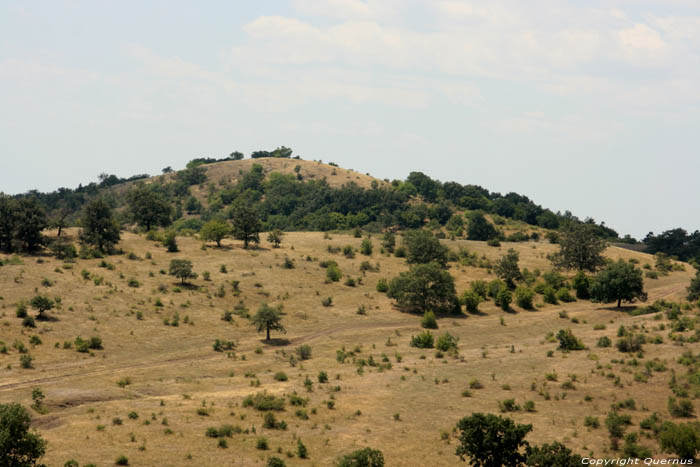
(589, 106)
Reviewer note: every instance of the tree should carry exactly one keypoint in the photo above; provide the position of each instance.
(389, 241)
(60, 217)
(215, 230)
(282, 152)
(366, 457)
(268, 319)
(617, 282)
(275, 237)
(492, 441)
(182, 269)
(694, 288)
(580, 248)
(100, 228)
(41, 304)
(423, 247)
(681, 439)
(167, 170)
(18, 446)
(425, 287)
(507, 268)
(148, 208)
(8, 221)
(555, 454)
(236, 156)
(31, 220)
(246, 224)
(479, 228)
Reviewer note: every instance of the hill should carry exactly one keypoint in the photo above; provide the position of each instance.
(156, 384)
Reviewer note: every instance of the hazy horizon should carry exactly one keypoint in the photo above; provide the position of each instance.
(591, 109)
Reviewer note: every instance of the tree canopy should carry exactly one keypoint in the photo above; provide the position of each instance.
(479, 228)
(507, 268)
(215, 231)
(182, 269)
(148, 207)
(488, 440)
(268, 319)
(19, 447)
(617, 282)
(580, 248)
(100, 228)
(246, 224)
(425, 287)
(423, 247)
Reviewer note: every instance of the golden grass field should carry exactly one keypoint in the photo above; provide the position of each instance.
(174, 371)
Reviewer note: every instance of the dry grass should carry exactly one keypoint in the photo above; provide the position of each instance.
(174, 370)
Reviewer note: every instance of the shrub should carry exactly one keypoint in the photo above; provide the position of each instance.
(429, 321)
(504, 298)
(425, 287)
(564, 295)
(122, 460)
(423, 340)
(302, 452)
(630, 343)
(382, 285)
(275, 462)
(549, 295)
(591, 422)
(263, 401)
(366, 247)
(328, 301)
(446, 342)
(471, 301)
(170, 241)
(524, 297)
(480, 287)
(25, 361)
(333, 273)
(21, 310)
(567, 340)
(366, 457)
(304, 352)
(508, 405)
(683, 440)
(262, 444)
(604, 342)
(494, 287)
(682, 408)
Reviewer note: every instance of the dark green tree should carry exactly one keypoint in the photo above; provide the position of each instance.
(580, 248)
(246, 224)
(19, 447)
(275, 237)
(507, 268)
(41, 304)
(492, 441)
(236, 156)
(681, 439)
(479, 228)
(389, 241)
(366, 457)
(268, 319)
(8, 221)
(425, 287)
(182, 269)
(31, 220)
(215, 230)
(551, 455)
(99, 227)
(148, 207)
(617, 282)
(423, 247)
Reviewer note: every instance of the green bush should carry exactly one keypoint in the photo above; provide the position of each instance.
(494, 287)
(471, 301)
(333, 273)
(524, 297)
(504, 298)
(429, 321)
(366, 457)
(423, 340)
(263, 401)
(304, 352)
(480, 287)
(567, 340)
(446, 342)
(382, 285)
(604, 342)
(564, 295)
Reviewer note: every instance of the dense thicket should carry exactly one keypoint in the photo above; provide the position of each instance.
(676, 243)
(291, 202)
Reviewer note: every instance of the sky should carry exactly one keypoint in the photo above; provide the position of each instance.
(588, 106)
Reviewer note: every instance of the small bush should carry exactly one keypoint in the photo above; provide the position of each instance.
(471, 301)
(429, 321)
(423, 340)
(328, 301)
(604, 342)
(567, 340)
(446, 342)
(263, 401)
(382, 285)
(122, 460)
(304, 352)
(524, 297)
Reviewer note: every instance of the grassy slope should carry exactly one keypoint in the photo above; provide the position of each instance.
(174, 370)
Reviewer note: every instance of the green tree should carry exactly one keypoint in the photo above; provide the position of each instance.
(366, 457)
(389, 241)
(18, 446)
(617, 282)
(580, 248)
(31, 220)
(423, 247)
(8, 221)
(582, 285)
(41, 304)
(507, 268)
(423, 288)
(99, 227)
(275, 237)
(246, 224)
(681, 439)
(268, 319)
(182, 269)
(366, 248)
(170, 241)
(148, 207)
(236, 156)
(551, 455)
(492, 441)
(478, 228)
(215, 231)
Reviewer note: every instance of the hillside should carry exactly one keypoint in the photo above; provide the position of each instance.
(157, 384)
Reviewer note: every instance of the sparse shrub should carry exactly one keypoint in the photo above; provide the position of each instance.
(682, 408)
(263, 401)
(423, 340)
(328, 301)
(630, 343)
(262, 444)
(446, 342)
(122, 460)
(567, 340)
(508, 405)
(429, 321)
(280, 376)
(382, 285)
(303, 352)
(604, 342)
